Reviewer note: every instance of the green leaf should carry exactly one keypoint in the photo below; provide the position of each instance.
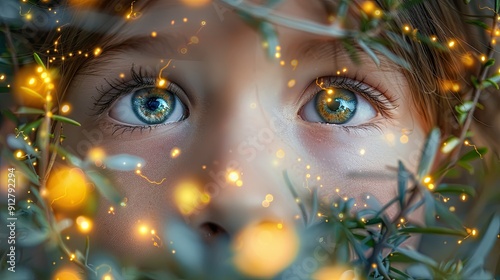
(399, 40)
(72, 159)
(31, 236)
(490, 62)
(465, 107)
(18, 143)
(490, 82)
(478, 23)
(399, 273)
(8, 114)
(495, 78)
(9, 157)
(474, 154)
(451, 143)
(270, 35)
(466, 2)
(27, 128)
(39, 61)
(103, 184)
(353, 53)
(429, 152)
(369, 52)
(390, 55)
(63, 224)
(402, 182)
(474, 81)
(28, 110)
(417, 257)
(446, 216)
(39, 198)
(467, 166)
(342, 9)
(272, 3)
(461, 118)
(65, 120)
(434, 230)
(123, 162)
(430, 208)
(489, 237)
(428, 41)
(33, 93)
(455, 189)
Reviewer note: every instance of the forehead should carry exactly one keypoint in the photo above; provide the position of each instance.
(167, 29)
(176, 15)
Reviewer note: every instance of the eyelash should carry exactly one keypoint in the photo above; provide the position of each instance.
(383, 103)
(119, 88)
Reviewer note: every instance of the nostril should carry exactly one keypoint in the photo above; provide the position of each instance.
(212, 231)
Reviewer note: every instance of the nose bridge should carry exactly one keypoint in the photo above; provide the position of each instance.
(243, 181)
(241, 177)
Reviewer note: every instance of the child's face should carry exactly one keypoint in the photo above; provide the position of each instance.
(233, 108)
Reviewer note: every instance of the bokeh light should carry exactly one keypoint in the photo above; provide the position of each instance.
(195, 3)
(67, 273)
(84, 224)
(67, 188)
(265, 249)
(189, 198)
(337, 273)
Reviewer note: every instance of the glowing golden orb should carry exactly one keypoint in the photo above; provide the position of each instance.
(195, 3)
(265, 249)
(67, 188)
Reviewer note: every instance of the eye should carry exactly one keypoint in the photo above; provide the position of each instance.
(339, 102)
(150, 106)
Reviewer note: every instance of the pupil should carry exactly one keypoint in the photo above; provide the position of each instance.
(153, 104)
(333, 105)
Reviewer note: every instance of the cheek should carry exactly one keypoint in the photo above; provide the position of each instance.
(351, 165)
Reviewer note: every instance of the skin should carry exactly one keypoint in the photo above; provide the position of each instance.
(241, 112)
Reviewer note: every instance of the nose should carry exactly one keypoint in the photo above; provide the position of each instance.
(242, 179)
(243, 196)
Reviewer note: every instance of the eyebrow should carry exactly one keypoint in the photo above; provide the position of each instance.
(162, 46)
(332, 50)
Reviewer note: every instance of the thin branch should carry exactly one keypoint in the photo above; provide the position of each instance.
(476, 93)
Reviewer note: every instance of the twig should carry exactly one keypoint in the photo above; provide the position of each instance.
(470, 115)
(379, 246)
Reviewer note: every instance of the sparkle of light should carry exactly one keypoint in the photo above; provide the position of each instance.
(233, 176)
(84, 224)
(175, 152)
(65, 108)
